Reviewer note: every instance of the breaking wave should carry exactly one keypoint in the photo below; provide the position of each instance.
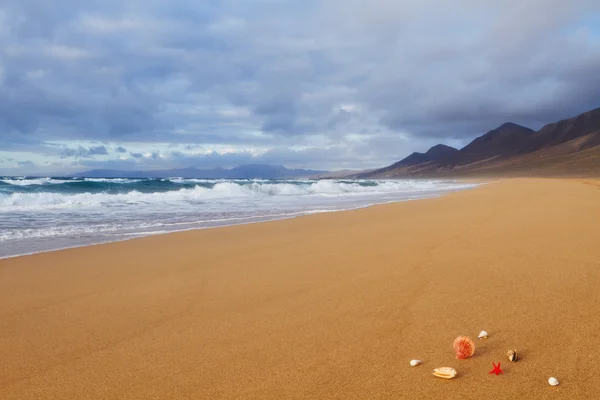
(48, 193)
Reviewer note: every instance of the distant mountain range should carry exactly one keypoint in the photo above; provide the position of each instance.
(250, 171)
(563, 148)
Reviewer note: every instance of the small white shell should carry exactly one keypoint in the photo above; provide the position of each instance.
(553, 381)
(414, 363)
(483, 335)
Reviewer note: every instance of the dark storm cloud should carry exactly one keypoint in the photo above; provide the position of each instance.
(275, 74)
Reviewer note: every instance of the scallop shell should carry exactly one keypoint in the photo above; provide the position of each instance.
(464, 347)
(512, 355)
(483, 335)
(414, 363)
(553, 381)
(444, 372)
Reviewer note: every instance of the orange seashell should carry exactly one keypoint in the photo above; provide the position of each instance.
(464, 347)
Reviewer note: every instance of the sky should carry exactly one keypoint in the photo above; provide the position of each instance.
(321, 84)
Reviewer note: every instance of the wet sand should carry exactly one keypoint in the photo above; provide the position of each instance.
(328, 306)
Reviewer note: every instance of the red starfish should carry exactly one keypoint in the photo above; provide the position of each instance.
(496, 369)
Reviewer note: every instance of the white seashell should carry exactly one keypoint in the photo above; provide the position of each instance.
(414, 363)
(553, 381)
(483, 335)
(444, 372)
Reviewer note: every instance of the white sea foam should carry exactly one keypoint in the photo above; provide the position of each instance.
(112, 180)
(142, 229)
(226, 191)
(29, 182)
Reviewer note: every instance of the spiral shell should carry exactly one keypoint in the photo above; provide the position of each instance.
(552, 381)
(512, 355)
(464, 347)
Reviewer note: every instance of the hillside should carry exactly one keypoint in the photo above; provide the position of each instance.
(568, 147)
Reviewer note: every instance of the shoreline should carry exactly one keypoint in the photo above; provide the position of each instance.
(290, 216)
(331, 305)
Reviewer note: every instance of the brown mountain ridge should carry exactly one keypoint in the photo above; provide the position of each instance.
(570, 147)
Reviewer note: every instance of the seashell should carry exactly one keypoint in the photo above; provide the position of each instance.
(444, 372)
(464, 347)
(512, 354)
(483, 335)
(414, 363)
(553, 381)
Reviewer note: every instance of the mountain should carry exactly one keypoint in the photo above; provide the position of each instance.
(250, 171)
(566, 147)
(565, 131)
(504, 141)
(434, 158)
(438, 153)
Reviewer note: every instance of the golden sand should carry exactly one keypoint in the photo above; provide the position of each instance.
(321, 307)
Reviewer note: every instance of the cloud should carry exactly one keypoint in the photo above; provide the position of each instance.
(97, 150)
(84, 152)
(370, 81)
(177, 159)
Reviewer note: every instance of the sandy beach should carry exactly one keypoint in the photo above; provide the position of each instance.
(328, 306)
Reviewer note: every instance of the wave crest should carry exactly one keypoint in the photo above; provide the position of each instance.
(203, 192)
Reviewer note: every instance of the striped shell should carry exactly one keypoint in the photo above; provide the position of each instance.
(445, 372)
(463, 347)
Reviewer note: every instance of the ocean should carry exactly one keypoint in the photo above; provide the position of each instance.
(42, 214)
